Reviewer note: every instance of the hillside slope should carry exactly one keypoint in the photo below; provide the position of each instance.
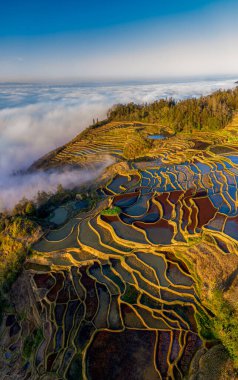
(142, 282)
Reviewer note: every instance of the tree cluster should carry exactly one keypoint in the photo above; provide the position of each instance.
(212, 112)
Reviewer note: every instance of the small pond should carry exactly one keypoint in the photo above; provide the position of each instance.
(59, 215)
(156, 137)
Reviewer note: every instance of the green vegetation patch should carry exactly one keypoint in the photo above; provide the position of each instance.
(32, 342)
(111, 211)
(15, 239)
(17, 233)
(205, 326)
(225, 324)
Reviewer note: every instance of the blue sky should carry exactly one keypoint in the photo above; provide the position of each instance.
(44, 17)
(63, 39)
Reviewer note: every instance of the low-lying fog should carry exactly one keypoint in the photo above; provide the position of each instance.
(36, 118)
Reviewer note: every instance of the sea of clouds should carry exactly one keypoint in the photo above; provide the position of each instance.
(37, 118)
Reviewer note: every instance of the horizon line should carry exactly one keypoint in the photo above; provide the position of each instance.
(89, 80)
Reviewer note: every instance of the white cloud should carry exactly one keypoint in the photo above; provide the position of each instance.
(14, 188)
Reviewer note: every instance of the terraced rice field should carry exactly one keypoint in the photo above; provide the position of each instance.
(90, 149)
(117, 294)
